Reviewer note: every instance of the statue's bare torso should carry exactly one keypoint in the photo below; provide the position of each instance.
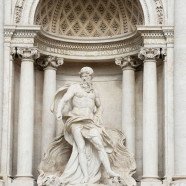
(83, 103)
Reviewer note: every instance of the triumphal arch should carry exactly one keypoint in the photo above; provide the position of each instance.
(130, 46)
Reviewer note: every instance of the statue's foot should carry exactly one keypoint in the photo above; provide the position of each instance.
(113, 174)
(85, 179)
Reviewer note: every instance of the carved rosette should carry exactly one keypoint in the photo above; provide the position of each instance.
(50, 62)
(128, 62)
(149, 54)
(28, 54)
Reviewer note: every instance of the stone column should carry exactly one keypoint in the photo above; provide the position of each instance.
(1, 63)
(150, 116)
(128, 100)
(180, 93)
(26, 117)
(50, 65)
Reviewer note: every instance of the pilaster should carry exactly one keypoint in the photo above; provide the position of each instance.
(7, 125)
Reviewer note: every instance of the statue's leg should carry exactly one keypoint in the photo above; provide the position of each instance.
(97, 142)
(80, 142)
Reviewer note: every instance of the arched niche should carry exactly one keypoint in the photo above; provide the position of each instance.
(153, 10)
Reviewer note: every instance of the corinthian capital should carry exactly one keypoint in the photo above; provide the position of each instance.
(27, 53)
(127, 63)
(50, 62)
(149, 53)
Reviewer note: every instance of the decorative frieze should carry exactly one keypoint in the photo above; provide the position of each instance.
(152, 36)
(169, 34)
(21, 35)
(8, 33)
(81, 48)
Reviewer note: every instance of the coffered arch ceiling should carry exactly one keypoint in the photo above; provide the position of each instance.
(89, 18)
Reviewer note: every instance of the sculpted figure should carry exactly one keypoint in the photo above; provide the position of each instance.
(86, 152)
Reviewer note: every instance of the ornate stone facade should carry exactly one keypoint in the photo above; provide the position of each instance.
(146, 103)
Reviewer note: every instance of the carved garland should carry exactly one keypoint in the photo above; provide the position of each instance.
(159, 11)
(18, 10)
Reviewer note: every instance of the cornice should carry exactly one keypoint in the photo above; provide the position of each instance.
(84, 49)
(169, 34)
(152, 35)
(21, 35)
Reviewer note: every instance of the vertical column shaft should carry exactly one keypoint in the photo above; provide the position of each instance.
(150, 115)
(48, 119)
(26, 114)
(128, 101)
(50, 65)
(150, 126)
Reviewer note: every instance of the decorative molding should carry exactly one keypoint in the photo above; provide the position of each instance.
(18, 10)
(27, 53)
(152, 35)
(146, 54)
(89, 50)
(128, 62)
(160, 11)
(23, 35)
(50, 62)
(169, 34)
(8, 33)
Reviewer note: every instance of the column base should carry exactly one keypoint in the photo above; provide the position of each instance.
(151, 182)
(24, 181)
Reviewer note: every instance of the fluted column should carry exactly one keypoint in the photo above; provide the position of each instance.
(26, 116)
(128, 100)
(150, 116)
(50, 65)
(180, 93)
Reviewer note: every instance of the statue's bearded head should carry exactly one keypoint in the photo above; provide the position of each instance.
(86, 74)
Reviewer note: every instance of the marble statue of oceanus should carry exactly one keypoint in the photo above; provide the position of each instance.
(86, 153)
